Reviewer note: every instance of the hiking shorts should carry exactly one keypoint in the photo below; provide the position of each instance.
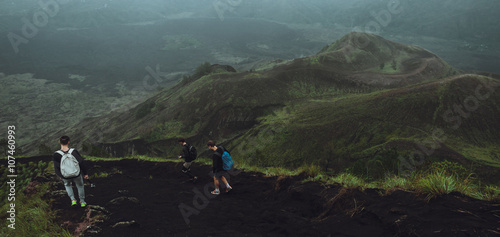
(219, 174)
(187, 165)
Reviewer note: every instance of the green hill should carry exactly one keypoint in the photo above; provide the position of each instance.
(362, 103)
(370, 132)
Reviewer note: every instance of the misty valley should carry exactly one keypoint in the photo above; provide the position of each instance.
(342, 118)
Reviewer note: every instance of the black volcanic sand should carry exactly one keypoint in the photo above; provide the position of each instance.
(142, 199)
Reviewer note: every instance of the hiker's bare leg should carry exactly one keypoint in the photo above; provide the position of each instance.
(226, 183)
(216, 183)
(224, 180)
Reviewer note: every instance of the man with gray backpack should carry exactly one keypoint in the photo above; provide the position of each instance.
(68, 165)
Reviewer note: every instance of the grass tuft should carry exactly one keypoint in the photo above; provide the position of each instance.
(396, 182)
(436, 184)
(310, 170)
(348, 180)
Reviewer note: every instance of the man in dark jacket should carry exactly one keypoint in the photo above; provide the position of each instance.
(219, 172)
(77, 178)
(188, 159)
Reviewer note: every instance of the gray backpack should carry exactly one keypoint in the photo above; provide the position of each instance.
(70, 168)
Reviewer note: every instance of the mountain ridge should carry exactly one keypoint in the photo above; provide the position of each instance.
(241, 109)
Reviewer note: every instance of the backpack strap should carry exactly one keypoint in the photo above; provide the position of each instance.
(60, 152)
(224, 150)
(190, 155)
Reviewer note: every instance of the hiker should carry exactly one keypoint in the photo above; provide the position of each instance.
(219, 171)
(68, 165)
(189, 155)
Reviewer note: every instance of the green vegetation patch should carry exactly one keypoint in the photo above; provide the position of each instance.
(489, 154)
(34, 217)
(144, 109)
(253, 75)
(165, 130)
(313, 60)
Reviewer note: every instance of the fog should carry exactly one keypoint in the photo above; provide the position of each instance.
(107, 53)
(111, 41)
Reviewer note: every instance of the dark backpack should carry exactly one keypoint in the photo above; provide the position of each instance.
(192, 152)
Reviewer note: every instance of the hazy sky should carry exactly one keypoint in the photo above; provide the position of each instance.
(474, 24)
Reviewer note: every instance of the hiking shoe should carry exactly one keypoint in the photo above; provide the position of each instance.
(83, 204)
(215, 192)
(73, 203)
(229, 189)
(195, 179)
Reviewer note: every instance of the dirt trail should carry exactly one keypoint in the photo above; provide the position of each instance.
(140, 198)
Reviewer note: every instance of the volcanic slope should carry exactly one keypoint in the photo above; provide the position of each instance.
(142, 198)
(453, 119)
(359, 97)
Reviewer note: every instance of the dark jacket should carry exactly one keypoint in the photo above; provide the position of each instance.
(185, 153)
(57, 163)
(217, 159)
